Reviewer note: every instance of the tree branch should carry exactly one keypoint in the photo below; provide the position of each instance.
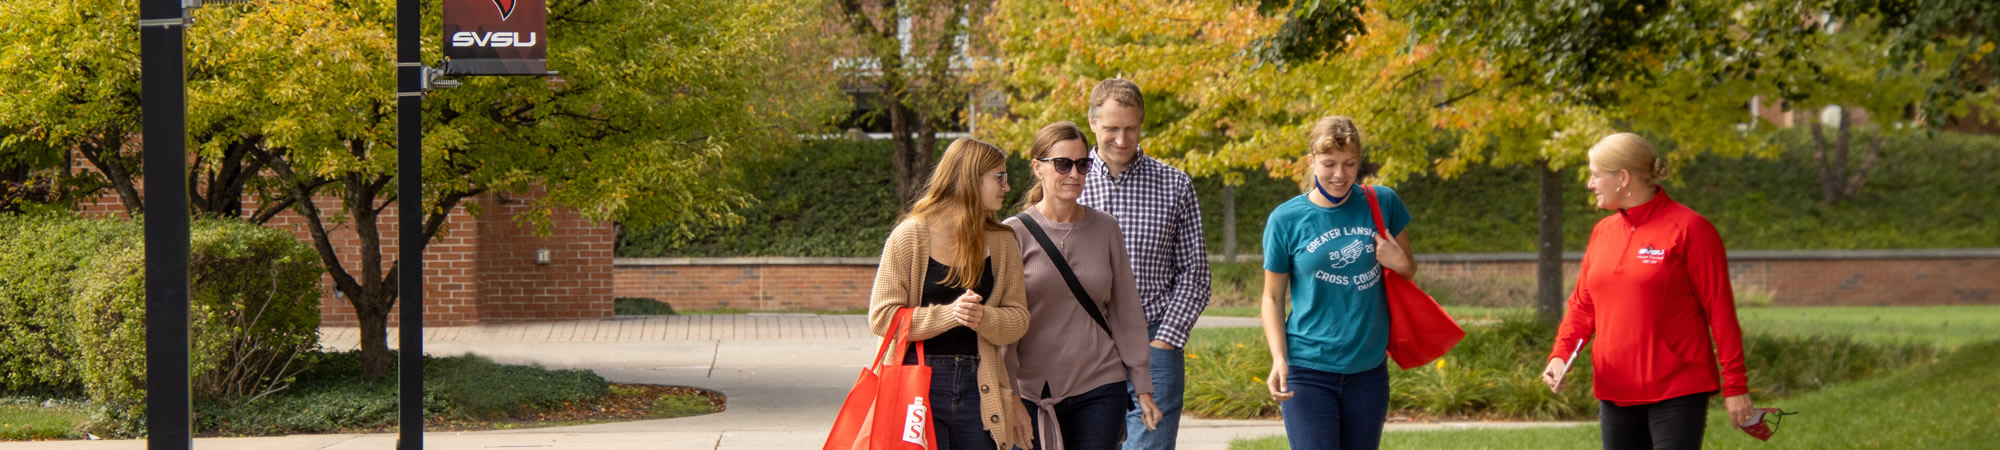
(107, 163)
(303, 189)
(1461, 96)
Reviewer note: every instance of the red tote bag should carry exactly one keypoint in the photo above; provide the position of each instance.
(1419, 330)
(889, 407)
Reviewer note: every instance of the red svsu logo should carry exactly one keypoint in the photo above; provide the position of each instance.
(506, 8)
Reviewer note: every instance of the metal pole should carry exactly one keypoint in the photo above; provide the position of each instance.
(164, 107)
(409, 223)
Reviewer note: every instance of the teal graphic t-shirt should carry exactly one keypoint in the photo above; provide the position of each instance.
(1340, 318)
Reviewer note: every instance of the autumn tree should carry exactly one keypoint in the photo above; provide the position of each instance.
(1227, 93)
(288, 104)
(1559, 75)
(914, 53)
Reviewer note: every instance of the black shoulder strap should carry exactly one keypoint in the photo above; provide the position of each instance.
(1062, 265)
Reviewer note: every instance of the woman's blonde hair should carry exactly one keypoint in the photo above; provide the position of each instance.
(1044, 140)
(952, 197)
(1630, 153)
(1329, 135)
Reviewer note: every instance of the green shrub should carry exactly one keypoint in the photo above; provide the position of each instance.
(333, 396)
(253, 308)
(1225, 374)
(1235, 284)
(640, 306)
(45, 254)
(476, 388)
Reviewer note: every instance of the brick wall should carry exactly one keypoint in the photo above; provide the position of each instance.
(513, 286)
(479, 269)
(758, 284)
(1830, 278)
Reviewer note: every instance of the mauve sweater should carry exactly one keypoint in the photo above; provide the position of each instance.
(1064, 348)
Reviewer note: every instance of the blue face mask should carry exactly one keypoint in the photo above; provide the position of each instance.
(1322, 191)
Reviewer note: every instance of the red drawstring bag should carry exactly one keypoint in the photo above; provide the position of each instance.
(1419, 330)
(889, 407)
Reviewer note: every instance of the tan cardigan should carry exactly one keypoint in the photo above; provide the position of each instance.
(899, 283)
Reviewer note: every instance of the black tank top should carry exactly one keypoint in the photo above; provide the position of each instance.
(959, 340)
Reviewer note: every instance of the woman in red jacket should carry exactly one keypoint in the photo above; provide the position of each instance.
(1654, 292)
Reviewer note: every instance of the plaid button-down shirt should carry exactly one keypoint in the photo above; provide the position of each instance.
(1157, 210)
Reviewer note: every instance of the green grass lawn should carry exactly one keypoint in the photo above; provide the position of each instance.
(31, 423)
(1948, 405)
(1947, 326)
(1490, 375)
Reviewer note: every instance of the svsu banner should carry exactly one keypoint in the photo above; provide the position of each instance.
(496, 37)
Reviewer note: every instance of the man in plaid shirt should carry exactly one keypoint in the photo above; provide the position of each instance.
(1156, 208)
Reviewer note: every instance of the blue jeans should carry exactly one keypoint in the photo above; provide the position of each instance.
(955, 402)
(1336, 411)
(1090, 421)
(1169, 380)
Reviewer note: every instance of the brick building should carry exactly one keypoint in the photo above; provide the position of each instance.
(479, 269)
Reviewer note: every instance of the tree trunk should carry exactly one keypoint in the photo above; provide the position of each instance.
(1841, 140)
(1228, 223)
(375, 361)
(920, 157)
(1860, 176)
(1827, 190)
(1549, 255)
(903, 147)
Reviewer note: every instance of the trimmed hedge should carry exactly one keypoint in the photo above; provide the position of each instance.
(836, 198)
(73, 296)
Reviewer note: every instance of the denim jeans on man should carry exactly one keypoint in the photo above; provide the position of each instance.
(1672, 424)
(955, 402)
(1169, 380)
(1092, 420)
(1336, 411)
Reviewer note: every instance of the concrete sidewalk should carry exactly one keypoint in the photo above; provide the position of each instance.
(784, 376)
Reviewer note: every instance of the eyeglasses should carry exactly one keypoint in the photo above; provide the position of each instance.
(1063, 165)
(1002, 176)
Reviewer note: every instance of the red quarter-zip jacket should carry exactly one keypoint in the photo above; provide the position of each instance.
(1654, 291)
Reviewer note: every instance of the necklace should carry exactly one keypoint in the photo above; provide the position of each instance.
(1062, 243)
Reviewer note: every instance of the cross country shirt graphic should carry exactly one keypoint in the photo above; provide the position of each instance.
(1339, 320)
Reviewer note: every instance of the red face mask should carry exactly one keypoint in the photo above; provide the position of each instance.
(1764, 422)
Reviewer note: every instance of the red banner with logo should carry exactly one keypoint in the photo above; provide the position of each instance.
(496, 37)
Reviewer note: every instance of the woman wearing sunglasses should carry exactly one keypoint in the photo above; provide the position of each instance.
(961, 270)
(1653, 289)
(1089, 339)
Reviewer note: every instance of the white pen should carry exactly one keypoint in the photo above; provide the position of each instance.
(1569, 362)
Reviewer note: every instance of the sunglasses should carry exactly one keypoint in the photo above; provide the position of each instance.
(1063, 165)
